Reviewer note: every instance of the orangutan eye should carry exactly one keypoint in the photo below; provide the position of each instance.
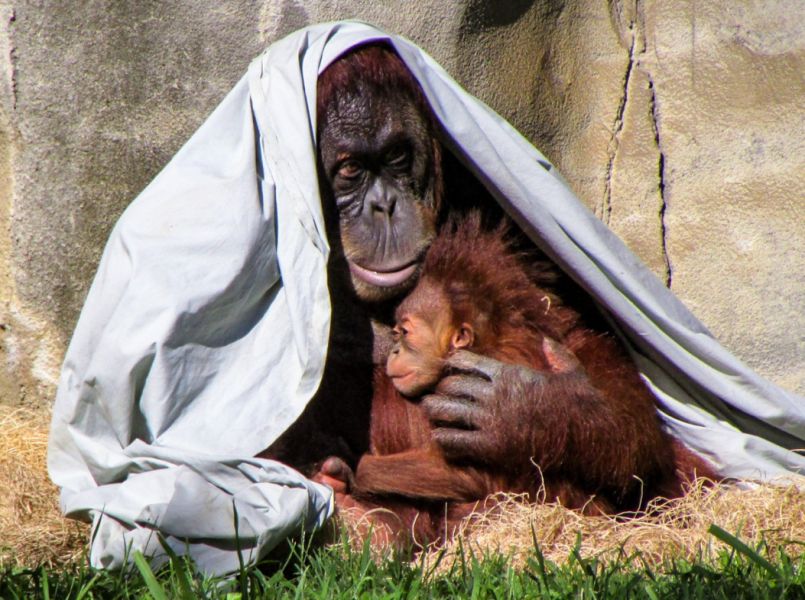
(399, 157)
(399, 333)
(350, 169)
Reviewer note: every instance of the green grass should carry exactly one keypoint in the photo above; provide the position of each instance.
(737, 572)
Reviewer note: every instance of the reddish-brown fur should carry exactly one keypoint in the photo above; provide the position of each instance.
(510, 302)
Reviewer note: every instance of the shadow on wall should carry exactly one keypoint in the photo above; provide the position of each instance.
(488, 14)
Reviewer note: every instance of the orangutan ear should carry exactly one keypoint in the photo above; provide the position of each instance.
(463, 337)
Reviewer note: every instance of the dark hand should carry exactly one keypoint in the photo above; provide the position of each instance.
(487, 411)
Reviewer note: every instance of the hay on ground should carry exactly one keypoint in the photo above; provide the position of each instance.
(33, 531)
(771, 516)
(765, 516)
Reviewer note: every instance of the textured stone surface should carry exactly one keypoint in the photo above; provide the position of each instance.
(730, 101)
(681, 124)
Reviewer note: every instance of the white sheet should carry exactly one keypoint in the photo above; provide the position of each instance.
(205, 331)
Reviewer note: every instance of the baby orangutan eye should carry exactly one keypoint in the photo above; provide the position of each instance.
(398, 333)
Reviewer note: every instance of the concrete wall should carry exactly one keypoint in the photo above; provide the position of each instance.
(681, 124)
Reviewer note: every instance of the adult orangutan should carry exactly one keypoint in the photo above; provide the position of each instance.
(386, 194)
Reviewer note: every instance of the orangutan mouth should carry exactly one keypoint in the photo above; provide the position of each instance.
(383, 278)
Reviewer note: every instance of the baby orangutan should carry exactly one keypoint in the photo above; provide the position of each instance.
(428, 330)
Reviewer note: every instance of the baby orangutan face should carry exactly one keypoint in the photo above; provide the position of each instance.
(424, 335)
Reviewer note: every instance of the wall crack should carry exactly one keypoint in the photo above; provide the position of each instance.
(617, 127)
(629, 19)
(12, 59)
(661, 181)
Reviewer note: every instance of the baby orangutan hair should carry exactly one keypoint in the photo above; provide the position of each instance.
(478, 292)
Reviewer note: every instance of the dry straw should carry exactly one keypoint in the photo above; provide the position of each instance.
(32, 529)
(773, 515)
(767, 517)
(33, 532)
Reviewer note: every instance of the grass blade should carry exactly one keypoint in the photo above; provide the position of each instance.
(181, 570)
(45, 585)
(744, 549)
(148, 576)
(85, 589)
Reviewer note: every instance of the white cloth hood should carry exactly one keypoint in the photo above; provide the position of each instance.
(205, 331)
